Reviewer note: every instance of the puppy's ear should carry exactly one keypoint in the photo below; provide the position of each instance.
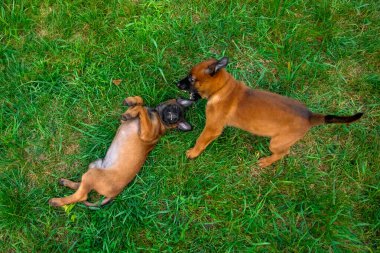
(184, 102)
(184, 126)
(215, 67)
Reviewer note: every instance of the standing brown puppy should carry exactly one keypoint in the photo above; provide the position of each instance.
(231, 103)
(140, 129)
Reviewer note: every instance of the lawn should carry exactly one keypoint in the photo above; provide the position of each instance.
(60, 109)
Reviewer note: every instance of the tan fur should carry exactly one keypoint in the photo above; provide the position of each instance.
(135, 138)
(232, 103)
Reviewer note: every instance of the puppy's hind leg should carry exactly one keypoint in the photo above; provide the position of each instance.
(99, 204)
(280, 146)
(96, 164)
(78, 196)
(75, 185)
(69, 183)
(82, 192)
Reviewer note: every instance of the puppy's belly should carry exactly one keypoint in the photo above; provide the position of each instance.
(126, 148)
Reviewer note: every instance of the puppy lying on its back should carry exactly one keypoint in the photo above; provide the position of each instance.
(140, 129)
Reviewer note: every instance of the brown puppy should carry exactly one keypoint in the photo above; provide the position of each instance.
(140, 129)
(231, 103)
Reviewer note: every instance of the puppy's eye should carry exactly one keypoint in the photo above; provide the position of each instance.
(191, 79)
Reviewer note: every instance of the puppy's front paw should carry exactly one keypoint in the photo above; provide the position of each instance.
(128, 101)
(192, 153)
(265, 162)
(133, 101)
(126, 116)
(129, 114)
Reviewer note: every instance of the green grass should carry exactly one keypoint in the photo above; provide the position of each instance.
(60, 110)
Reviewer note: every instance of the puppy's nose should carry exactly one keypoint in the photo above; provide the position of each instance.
(181, 86)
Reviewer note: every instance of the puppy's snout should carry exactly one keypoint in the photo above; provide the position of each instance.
(183, 84)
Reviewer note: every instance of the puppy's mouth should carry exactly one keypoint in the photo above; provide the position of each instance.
(187, 84)
(183, 86)
(194, 95)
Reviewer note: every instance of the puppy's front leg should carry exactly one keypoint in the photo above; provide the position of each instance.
(131, 113)
(133, 101)
(147, 132)
(212, 130)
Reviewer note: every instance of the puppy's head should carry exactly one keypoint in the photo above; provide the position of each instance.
(172, 113)
(204, 78)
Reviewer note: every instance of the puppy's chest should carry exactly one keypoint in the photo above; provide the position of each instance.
(125, 145)
(127, 135)
(128, 129)
(221, 108)
(214, 100)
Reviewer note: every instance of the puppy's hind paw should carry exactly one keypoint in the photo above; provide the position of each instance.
(61, 181)
(54, 202)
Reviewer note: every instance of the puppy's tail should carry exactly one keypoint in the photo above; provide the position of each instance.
(99, 204)
(319, 119)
